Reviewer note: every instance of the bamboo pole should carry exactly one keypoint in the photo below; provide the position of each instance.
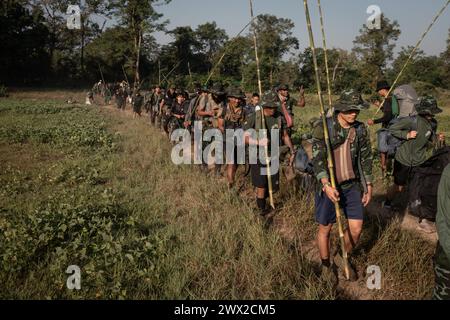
(339, 216)
(330, 103)
(226, 51)
(411, 55)
(266, 148)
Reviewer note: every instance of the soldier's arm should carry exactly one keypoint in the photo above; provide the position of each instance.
(443, 213)
(387, 113)
(250, 133)
(401, 129)
(301, 102)
(366, 155)
(319, 151)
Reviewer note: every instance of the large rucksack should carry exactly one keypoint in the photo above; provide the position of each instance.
(407, 99)
(424, 184)
(389, 144)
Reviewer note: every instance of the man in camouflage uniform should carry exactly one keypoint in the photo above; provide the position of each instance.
(232, 117)
(352, 155)
(442, 256)
(178, 111)
(121, 96)
(166, 104)
(200, 98)
(286, 105)
(137, 102)
(147, 99)
(108, 92)
(269, 106)
(212, 106)
(156, 104)
(208, 111)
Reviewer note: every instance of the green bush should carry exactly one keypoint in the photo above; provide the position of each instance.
(93, 235)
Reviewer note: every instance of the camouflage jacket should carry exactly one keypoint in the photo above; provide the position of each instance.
(233, 117)
(361, 150)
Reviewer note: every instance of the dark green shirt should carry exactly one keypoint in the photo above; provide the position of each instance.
(272, 122)
(443, 213)
(416, 151)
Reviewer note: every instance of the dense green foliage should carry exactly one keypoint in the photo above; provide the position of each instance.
(40, 49)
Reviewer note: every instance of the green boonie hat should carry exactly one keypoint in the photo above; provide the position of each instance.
(350, 100)
(283, 87)
(269, 100)
(427, 105)
(218, 89)
(179, 92)
(236, 93)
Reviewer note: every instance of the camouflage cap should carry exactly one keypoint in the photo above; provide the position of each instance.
(350, 100)
(236, 93)
(205, 88)
(427, 105)
(283, 87)
(181, 92)
(218, 89)
(269, 100)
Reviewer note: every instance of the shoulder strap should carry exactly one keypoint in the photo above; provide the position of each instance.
(394, 106)
(258, 119)
(330, 128)
(414, 123)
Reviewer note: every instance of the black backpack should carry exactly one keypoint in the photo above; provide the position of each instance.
(424, 185)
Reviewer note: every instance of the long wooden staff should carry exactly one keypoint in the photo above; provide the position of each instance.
(324, 42)
(266, 147)
(411, 55)
(339, 216)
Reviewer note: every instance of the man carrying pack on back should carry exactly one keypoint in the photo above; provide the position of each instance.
(350, 142)
(390, 112)
(208, 111)
(155, 104)
(286, 105)
(273, 121)
(419, 140)
(232, 117)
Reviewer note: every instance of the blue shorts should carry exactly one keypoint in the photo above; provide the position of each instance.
(350, 202)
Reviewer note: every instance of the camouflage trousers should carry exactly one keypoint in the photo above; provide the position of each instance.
(442, 275)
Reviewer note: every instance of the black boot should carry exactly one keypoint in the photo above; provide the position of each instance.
(263, 210)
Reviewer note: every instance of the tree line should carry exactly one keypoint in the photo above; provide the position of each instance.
(39, 49)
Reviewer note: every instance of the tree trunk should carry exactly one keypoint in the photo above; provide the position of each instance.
(138, 42)
(83, 34)
(335, 71)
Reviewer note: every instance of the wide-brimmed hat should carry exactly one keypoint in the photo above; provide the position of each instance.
(383, 85)
(236, 93)
(181, 92)
(269, 100)
(283, 87)
(350, 100)
(218, 89)
(427, 105)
